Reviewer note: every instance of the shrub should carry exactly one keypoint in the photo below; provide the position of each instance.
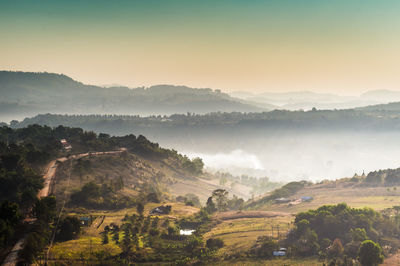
(214, 243)
(370, 253)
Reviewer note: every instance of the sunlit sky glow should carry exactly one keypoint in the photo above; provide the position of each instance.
(344, 47)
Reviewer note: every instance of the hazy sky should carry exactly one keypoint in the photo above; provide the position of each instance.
(324, 45)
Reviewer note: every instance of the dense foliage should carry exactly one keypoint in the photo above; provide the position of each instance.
(40, 232)
(69, 228)
(389, 177)
(105, 196)
(335, 231)
(19, 186)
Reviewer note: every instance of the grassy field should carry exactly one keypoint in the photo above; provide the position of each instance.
(240, 234)
(84, 247)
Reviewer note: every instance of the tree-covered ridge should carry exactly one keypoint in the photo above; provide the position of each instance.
(322, 120)
(47, 141)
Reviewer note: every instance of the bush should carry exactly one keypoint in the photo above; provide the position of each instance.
(214, 243)
(264, 247)
(70, 228)
(370, 253)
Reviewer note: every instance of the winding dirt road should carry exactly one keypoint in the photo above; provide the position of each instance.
(12, 258)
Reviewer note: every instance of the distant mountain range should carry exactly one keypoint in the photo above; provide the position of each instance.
(27, 94)
(307, 100)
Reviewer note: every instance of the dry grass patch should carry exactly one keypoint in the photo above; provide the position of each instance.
(230, 215)
(274, 262)
(240, 234)
(84, 247)
(377, 198)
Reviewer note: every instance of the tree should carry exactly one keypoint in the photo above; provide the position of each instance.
(210, 206)
(265, 246)
(235, 203)
(140, 208)
(105, 237)
(307, 245)
(336, 249)
(172, 230)
(45, 209)
(115, 236)
(126, 240)
(153, 197)
(214, 243)
(10, 216)
(193, 243)
(69, 228)
(370, 253)
(33, 245)
(193, 199)
(358, 234)
(10, 211)
(221, 196)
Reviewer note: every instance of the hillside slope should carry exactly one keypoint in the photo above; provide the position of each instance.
(377, 190)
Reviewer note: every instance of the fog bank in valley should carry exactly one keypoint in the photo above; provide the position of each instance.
(306, 157)
(281, 145)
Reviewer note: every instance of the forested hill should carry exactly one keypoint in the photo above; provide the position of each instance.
(24, 152)
(27, 94)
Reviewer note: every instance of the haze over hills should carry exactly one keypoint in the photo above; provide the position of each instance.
(250, 143)
(307, 99)
(283, 145)
(27, 94)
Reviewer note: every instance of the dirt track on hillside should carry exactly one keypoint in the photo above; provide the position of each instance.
(231, 215)
(48, 177)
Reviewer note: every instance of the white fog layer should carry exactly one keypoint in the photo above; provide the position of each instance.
(309, 157)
